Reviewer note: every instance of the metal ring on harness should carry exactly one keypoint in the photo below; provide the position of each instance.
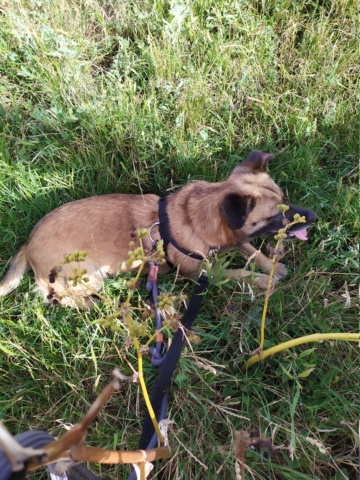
(153, 242)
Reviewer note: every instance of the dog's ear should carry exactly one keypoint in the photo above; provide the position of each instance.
(235, 208)
(256, 161)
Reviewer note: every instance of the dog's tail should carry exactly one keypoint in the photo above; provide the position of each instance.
(18, 266)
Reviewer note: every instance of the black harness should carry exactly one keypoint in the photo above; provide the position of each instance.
(165, 235)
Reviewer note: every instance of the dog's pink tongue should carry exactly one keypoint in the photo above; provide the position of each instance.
(301, 234)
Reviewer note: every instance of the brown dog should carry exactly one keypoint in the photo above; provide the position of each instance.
(198, 217)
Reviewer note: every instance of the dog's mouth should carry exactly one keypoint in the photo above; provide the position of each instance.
(300, 234)
(299, 230)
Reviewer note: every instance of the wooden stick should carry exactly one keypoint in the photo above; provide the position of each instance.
(82, 453)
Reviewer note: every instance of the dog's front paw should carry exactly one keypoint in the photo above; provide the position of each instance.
(280, 271)
(261, 281)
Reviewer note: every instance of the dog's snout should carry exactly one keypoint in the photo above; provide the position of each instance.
(311, 217)
(308, 214)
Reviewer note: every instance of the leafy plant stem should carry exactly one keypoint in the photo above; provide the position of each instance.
(266, 301)
(279, 237)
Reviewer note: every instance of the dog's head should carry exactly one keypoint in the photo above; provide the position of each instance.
(250, 206)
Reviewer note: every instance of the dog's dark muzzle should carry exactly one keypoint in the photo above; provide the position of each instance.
(299, 229)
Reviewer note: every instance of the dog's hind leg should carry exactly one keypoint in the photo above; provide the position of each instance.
(63, 291)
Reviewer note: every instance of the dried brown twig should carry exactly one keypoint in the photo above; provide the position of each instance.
(244, 439)
(70, 446)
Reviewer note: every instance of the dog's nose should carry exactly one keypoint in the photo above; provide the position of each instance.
(304, 212)
(311, 216)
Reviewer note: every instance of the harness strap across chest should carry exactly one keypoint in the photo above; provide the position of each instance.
(165, 234)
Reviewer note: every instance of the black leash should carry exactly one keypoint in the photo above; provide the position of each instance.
(172, 356)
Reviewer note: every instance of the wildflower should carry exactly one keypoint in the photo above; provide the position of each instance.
(142, 233)
(159, 254)
(132, 284)
(193, 338)
(282, 207)
(172, 322)
(138, 329)
(133, 255)
(78, 276)
(280, 236)
(75, 257)
(298, 219)
(148, 312)
(166, 304)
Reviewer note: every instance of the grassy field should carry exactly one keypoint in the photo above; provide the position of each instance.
(121, 96)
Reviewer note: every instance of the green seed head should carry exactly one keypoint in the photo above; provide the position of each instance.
(299, 219)
(142, 233)
(283, 208)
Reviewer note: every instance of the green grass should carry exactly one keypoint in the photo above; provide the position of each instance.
(119, 96)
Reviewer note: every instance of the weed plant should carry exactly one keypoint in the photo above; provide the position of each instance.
(118, 96)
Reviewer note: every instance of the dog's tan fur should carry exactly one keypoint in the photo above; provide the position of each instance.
(201, 215)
